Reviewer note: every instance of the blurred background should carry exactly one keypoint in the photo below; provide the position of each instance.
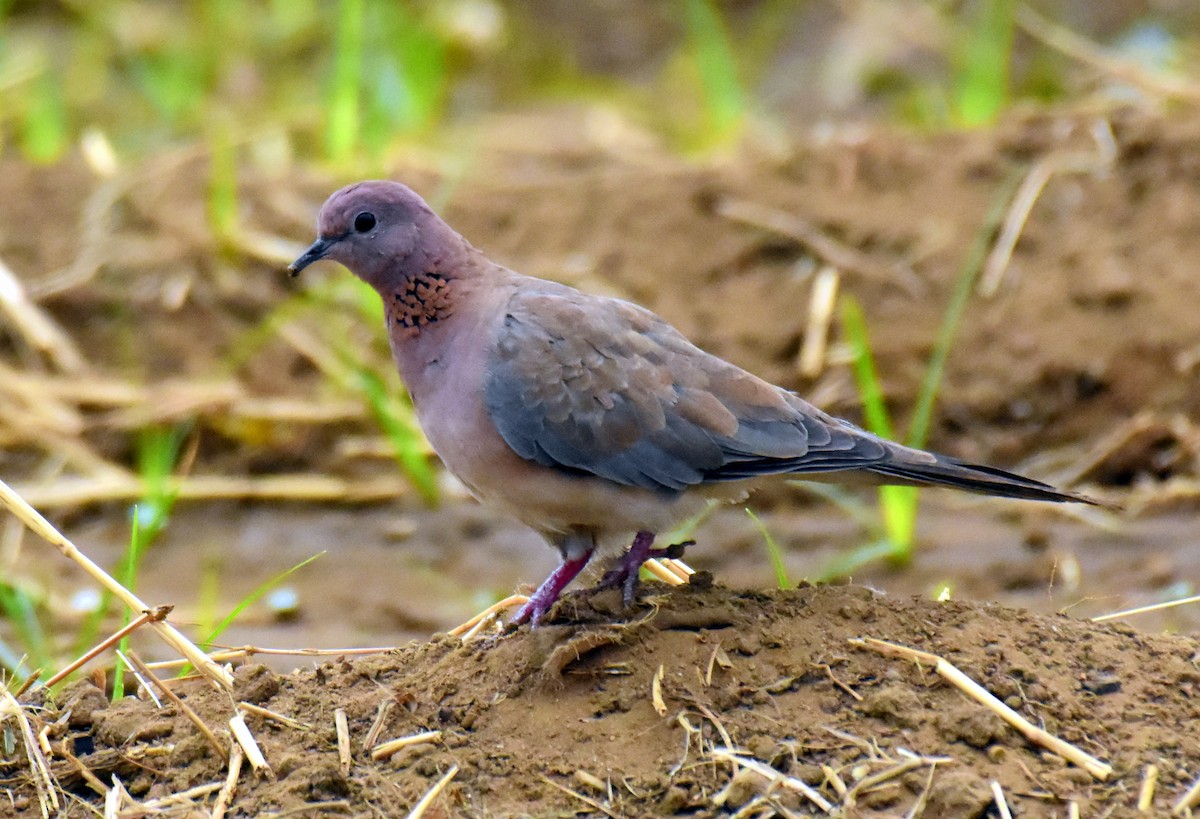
(967, 224)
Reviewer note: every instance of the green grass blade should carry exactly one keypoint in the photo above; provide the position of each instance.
(247, 601)
(222, 181)
(854, 507)
(127, 576)
(343, 104)
(254, 596)
(722, 91)
(964, 284)
(865, 375)
(158, 450)
(684, 532)
(897, 504)
(980, 84)
(402, 431)
(13, 661)
(844, 565)
(21, 610)
(45, 135)
(773, 552)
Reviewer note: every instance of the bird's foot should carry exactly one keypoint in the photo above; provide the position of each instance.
(547, 594)
(624, 571)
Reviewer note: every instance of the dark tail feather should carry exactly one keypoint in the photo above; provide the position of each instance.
(976, 478)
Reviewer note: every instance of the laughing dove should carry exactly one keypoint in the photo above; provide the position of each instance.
(589, 419)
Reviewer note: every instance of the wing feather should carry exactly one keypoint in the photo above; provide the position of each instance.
(599, 386)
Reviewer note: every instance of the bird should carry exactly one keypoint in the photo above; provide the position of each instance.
(588, 418)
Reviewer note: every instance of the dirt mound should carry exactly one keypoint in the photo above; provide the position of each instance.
(565, 720)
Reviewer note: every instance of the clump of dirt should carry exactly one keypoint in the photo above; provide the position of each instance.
(566, 719)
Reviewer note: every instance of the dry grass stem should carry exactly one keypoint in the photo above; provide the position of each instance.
(818, 242)
(682, 570)
(491, 611)
(1080, 48)
(656, 696)
(670, 571)
(184, 797)
(1098, 769)
(89, 777)
(265, 713)
(594, 782)
(584, 798)
(22, 426)
(116, 799)
(1027, 195)
(1169, 604)
(143, 682)
(81, 491)
(918, 808)
(149, 678)
(475, 630)
(1146, 791)
(170, 400)
(1189, 800)
(43, 780)
(254, 754)
(381, 715)
(419, 809)
(874, 780)
(36, 326)
(27, 683)
(1001, 802)
(774, 776)
(835, 781)
(245, 652)
(342, 727)
(386, 749)
(40, 526)
(157, 615)
(833, 679)
(821, 303)
(718, 657)
(45, 409)
(230, 785)
(1110, 443)
(1175, 489)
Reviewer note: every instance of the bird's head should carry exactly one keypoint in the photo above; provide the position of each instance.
(379, 230)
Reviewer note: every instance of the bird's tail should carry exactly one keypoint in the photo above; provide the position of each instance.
(987, 480)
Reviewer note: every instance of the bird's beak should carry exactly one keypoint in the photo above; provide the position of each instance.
(315, 253)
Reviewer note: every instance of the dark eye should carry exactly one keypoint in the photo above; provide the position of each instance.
(364, 222)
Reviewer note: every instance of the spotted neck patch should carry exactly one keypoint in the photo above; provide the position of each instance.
(420, 301)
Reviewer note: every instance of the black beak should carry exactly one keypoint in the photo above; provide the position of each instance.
(315, 253)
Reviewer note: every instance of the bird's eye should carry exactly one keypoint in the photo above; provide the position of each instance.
(364, 222)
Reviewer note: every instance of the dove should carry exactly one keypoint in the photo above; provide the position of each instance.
(590, 419)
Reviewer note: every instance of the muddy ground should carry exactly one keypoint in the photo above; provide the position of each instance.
(529, 719)
(1081, 368)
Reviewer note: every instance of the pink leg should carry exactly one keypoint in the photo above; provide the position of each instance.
(547, 593)
(624, 572)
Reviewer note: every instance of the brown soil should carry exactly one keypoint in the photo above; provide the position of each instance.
(526, 718)
(1093, 325)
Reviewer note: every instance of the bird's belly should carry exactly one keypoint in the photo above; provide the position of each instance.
(543, 498)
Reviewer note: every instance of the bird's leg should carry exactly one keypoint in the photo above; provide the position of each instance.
(624, 572)
(576, 551)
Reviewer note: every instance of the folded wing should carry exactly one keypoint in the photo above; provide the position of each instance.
(603, 387)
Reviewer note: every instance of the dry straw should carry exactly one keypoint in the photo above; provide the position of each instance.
(1098, 769)
(169, 634)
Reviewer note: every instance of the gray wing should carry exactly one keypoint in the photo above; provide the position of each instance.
(598, 386)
